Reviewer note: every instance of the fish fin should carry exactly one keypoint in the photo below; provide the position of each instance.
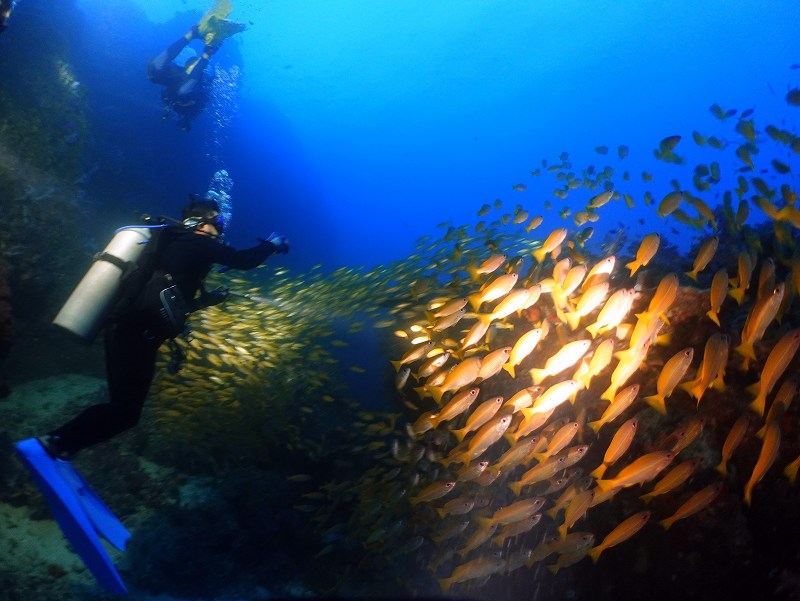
(657, 402)
(758, 405)
(746, 350)
(595, 552)
(692, 274)
(595, 425)
(537, 375)
(510, 369)
(633, 266)
(712, 315)
(598, 472)
(737, 294)
(722, 468)
(516, 487)
(484, 522)
(475, 301)
(573, 320)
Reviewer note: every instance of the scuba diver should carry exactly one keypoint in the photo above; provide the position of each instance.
(185, 91)
(152, 305)
(6, 6)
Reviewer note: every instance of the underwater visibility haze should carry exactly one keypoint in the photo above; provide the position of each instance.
(536, 335)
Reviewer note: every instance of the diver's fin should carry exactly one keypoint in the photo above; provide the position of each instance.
(70, 514)
(103, 519)
(217, 30)
(219, 10)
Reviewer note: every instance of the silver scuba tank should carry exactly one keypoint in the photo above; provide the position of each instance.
(85, 308)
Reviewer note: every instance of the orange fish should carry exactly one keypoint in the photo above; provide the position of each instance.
(732, 441)
(697, 502)
(778, 360)
(619, 444)
(641, 470)
(647, 250)
(434, 491)
(673, 478)
(766, 457)
(671, 375)
(624, 530)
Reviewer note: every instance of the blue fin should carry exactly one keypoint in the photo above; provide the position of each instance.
(104, 521)
(70, 514)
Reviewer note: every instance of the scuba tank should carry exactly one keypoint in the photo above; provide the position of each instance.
(95, 294)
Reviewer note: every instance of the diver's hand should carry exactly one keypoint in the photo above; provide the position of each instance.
(279, 243)
(213, 297)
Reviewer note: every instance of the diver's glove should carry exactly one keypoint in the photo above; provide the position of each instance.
(279, 243)
(211, 298)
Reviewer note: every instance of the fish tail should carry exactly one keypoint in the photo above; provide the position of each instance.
(790, 471)
(562, 531)
(746, 350)
(758, 405)
(593, 329)
(475, 301)
(748, 493)
(396, 365)
(605, 485)
(692, 274)
(573, 320)
(510, 369)
(693, 388)
(712, 315)
(609, 394)
(597, 474)
(445, 583)
(460, 434)
(437, 393)
(595, 425)
(737, 294)
(539, 254)
(667, 523)
(516, 487)
(633, 266)
(647, 498)
(722, 468)
(537, 375)
(656, 401)
(484, 522)
(595, 553)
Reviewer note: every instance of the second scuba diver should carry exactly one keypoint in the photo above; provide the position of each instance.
(138, 323)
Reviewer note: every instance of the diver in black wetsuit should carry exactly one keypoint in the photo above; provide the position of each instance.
(6, 6)
(185, 90)
(134, 332)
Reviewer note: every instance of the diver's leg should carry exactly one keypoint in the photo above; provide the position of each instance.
(166, 56)
(130, 365)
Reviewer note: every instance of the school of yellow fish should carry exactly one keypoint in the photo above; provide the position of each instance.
(540, 377)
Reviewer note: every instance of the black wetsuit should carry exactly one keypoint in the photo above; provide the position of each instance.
(132, 340)
(185, 90)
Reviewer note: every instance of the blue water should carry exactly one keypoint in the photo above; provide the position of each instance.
(359, 126)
